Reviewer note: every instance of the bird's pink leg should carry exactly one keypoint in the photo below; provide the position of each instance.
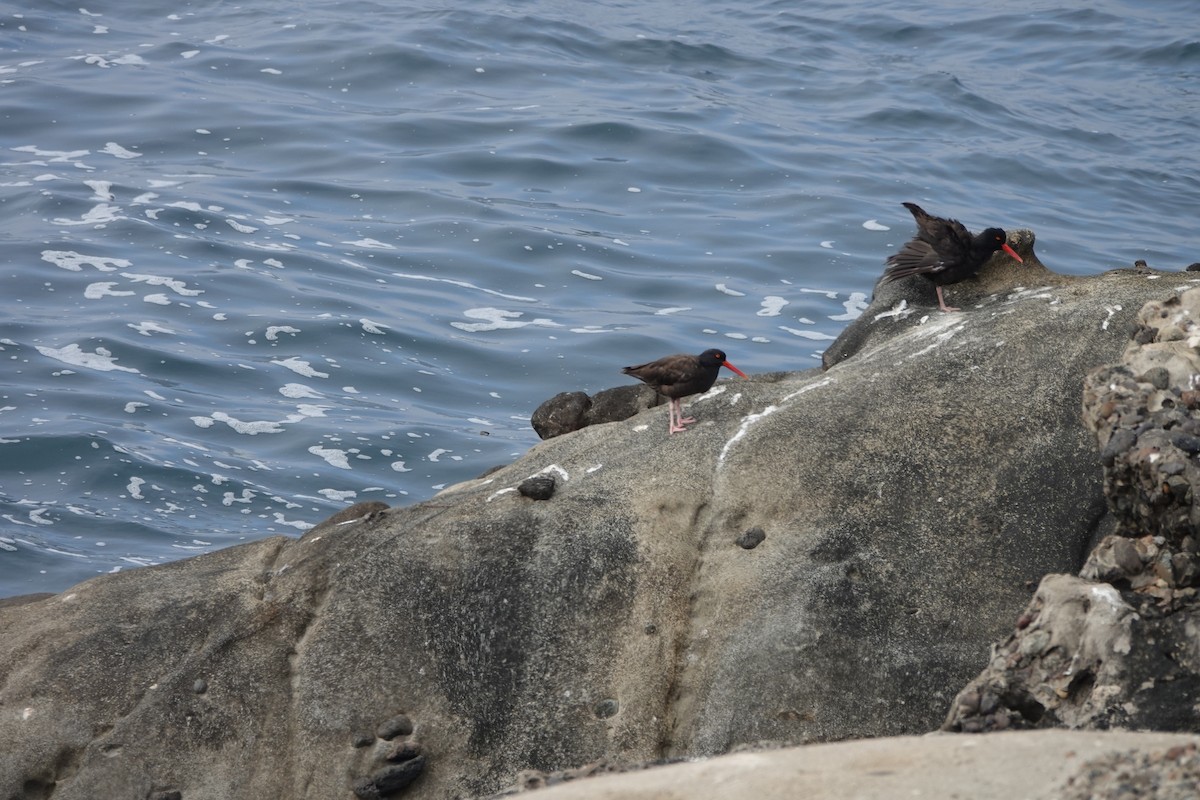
(942, 302)
(682, 418)
(675, 414)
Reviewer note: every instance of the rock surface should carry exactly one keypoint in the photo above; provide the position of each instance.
(907, 496)
(1031, 765)
(1119, 647)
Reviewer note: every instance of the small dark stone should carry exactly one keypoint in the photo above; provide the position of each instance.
(364, 789)
(170, 794)
(1125, 556)
(1144, 334)
(362, 740)
(539, 487)
(200, 686)
(1158, 377)
(399, 725)
(1119, 443)
(403, 751)
(1195, 267)
(651, 628)
(606, 708)
(390, 780)
(1186, 442)
(751, 538)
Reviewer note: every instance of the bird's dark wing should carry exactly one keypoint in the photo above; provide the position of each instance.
(948, 237)
(666, 372)
(939, 244)
(914, 258)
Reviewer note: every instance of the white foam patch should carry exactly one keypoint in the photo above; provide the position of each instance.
(465, 285)
(771, 306)
(177, 286)
(498, 319)
(135, 488)
(854, 306)
(102, 190)
(333, 457)
(247, 428)
(273, 331)
(112, 148)
(240, 227)
(369, 326)
(52, 156)
(147, 328)
(95, 291)
(102, 360)
(371, 244)
(301, 367)
(816, 336)
(586, 275)
(665, 311)
(875, 225)
(298, 390)
(100, 214)
(720, 287)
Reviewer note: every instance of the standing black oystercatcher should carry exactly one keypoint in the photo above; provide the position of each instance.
(678, 376)
(944, 251)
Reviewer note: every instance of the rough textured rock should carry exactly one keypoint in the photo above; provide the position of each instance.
(1083, 656)
(570, 411)
(1038, 765)
(1119, 648)
(910, 492)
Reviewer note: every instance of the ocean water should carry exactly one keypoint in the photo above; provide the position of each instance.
(262, 260)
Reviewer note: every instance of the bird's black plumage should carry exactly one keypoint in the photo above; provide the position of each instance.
(680, 376)
(944, 251)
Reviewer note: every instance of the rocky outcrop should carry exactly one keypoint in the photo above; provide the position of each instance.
(825, 555)
(1118, 646)
(1053, 764)
(569, 411)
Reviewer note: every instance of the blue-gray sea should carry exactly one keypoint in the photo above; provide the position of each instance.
(264, 259)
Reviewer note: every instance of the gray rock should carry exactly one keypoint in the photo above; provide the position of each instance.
(538, 487)
(399, 725)
(561, 414)
(912, 490)
(569, 411)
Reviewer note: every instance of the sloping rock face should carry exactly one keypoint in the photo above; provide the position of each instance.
(1119, 647)
(901, 501)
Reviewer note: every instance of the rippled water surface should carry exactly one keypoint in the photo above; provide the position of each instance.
(263, 260)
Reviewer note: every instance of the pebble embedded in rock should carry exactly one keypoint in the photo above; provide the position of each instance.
(1158, 377)
(362, 740)
(539, 487)
(404, 751)
(751, 538)
(606, 708)
(390, 780)
(399, 725)
(200, 686)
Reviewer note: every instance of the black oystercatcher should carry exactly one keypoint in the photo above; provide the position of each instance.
(678, 376)
(944, 251)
